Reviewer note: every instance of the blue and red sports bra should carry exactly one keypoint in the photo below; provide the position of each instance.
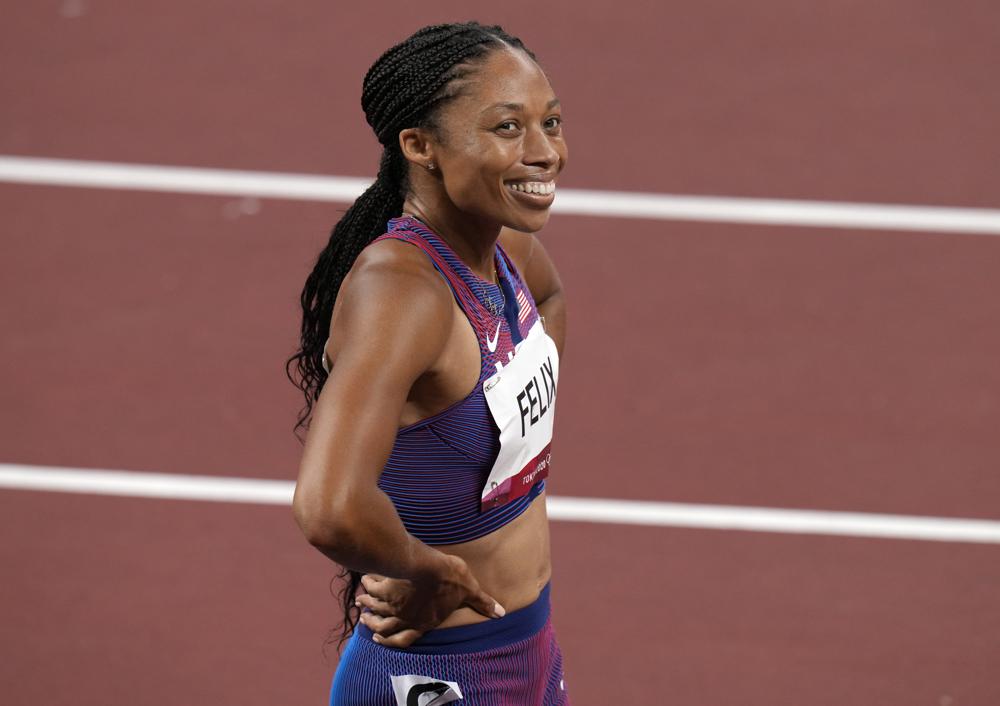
(475, 466)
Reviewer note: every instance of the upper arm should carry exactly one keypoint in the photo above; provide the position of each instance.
(534, 263)
(540, 274)
(392, 322)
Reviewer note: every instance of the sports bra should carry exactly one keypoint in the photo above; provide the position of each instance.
(439, 468)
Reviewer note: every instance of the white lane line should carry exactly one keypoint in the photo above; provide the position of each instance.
(627, 512)
(146, 485)
(614, 204)
(182, 180)
(766, 519)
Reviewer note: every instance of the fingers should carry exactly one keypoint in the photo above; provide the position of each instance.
(482, 602)
(371, 582)
(403, 638)
(384, 588)
(380, 625)
(477, 599)
(377, 605)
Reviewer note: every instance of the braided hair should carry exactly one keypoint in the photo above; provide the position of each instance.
(405, 87)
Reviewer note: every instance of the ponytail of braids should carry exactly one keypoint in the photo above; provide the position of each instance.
(361, 224)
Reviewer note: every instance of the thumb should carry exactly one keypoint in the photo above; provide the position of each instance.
(484, 603)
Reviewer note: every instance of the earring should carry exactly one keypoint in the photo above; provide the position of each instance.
(430, 166)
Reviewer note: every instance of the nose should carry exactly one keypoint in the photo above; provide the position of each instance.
(539, 148)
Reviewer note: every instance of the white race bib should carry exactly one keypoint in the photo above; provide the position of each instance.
(522, 397)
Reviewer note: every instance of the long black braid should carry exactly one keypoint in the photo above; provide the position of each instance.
(404, 88)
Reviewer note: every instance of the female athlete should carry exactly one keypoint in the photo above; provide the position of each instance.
(431, 286)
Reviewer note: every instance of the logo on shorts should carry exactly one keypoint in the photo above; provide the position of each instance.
(417, 690)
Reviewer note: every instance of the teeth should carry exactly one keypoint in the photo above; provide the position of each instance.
(543, 188)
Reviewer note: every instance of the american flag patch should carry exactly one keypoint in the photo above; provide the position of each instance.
(523, 307)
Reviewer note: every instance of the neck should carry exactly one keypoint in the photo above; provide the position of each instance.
(473, 239)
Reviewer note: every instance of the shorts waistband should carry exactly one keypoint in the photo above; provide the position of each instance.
(513, 627)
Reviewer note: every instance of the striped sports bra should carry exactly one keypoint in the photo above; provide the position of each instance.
(439, 468)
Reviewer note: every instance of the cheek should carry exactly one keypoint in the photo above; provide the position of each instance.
(478, 171)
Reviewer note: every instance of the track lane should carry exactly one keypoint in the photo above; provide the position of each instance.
(225, 604)
(844, 102)
(776, 368)
(729, 619)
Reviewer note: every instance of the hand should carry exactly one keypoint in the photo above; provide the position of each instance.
(403, 610)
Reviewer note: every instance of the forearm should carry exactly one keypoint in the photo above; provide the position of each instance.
(365, 534)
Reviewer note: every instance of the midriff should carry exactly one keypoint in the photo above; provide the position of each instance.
(512, 564)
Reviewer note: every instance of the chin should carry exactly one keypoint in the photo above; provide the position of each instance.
(529, 223)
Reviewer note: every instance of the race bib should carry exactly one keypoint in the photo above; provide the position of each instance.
(522, 397)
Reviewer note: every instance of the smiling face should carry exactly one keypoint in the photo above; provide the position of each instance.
(499, 146)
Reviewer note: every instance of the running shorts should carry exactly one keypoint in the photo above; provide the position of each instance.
(510, 661)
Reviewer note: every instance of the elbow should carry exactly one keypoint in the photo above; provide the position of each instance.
(317, 530)
(328, 533)
(324, 525)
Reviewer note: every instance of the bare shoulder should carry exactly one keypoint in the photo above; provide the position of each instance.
(396, 259)
(392, 299)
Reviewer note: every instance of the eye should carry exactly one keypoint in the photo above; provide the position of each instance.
(508, 126)
(553, 123)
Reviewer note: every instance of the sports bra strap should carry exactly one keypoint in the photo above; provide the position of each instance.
(463, 294)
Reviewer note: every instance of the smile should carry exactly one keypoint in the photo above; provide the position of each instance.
(542, 188)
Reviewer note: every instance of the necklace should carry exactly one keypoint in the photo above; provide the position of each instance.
(503, 297)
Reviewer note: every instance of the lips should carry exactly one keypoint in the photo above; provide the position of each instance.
(534, 194)
(535, 190)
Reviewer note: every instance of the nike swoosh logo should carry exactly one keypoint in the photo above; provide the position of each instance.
(492, 343)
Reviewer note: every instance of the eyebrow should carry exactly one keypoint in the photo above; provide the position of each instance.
(520, 106)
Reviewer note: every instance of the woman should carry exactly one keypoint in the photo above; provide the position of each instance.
(431, 286)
